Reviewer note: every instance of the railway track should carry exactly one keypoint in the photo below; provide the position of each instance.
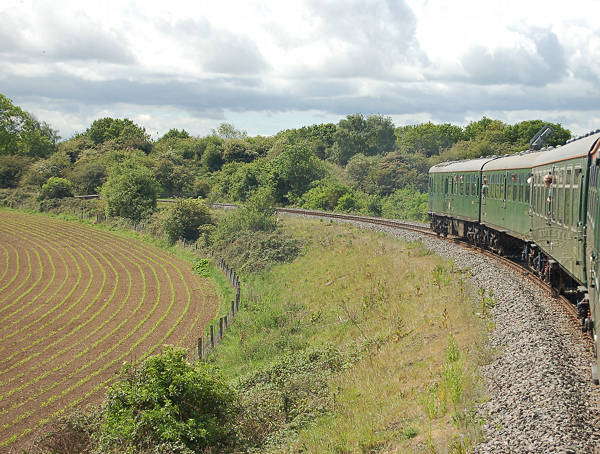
(541, 398)
(517, 266)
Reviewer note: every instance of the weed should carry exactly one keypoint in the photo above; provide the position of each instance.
(452, 372)
(486, 301)
(440, 276)
(202, 267)
(409, 433)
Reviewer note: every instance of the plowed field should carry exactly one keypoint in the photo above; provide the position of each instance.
(77, 302)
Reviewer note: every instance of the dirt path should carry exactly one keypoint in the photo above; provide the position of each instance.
(75, 303)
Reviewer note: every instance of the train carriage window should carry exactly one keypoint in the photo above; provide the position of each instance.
(528, 184)
(446, 185)
(568, 195)
(561, 195)
(504, 187)
(476, 192)
(515, 189)
(468, 185)
(520, 187)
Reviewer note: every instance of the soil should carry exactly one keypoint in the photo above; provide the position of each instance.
(75, 304)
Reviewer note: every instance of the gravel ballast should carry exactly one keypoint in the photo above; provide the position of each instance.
(541, 396)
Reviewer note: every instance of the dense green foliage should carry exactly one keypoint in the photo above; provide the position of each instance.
(130, 191)
(356, 165)
(248, 237)
(184, 218)
(167, 402)
(12, 168)
(22, 134)
(123, 132)
(56, 188)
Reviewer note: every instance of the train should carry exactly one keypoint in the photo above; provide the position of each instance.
(541, 207)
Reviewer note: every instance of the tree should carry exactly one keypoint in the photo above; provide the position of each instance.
(476, 128)
(56, 188)
(165, 402)
(428, 139)
(293, 170)
(228, 131)
(22, 134)
(75, 146)
(212, 158)
(55, 166)
(124, 132)
(88, 176)
(355, 134)
(174, 134)
(12, 168)
(360, 168)
(521, 133)
(130, 191)
(173, 176)
(184, 218)
(319, 137)
(236, 150)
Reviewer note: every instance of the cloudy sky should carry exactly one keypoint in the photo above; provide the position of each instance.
(270, 65)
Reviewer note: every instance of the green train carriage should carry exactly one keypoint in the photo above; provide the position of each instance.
(454, 196)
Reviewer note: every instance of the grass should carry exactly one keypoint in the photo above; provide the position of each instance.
(406, 322)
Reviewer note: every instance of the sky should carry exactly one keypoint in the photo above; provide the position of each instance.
(271, 65)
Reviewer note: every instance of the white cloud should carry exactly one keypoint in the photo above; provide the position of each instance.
(272, 65)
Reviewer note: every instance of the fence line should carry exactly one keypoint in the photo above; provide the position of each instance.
(217, 329)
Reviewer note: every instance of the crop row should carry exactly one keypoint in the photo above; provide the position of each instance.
(74, 339)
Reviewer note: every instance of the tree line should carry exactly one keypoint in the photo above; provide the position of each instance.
(361, 164)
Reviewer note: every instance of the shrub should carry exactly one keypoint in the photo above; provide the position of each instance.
(406, 203)
(256, 215)
(287, 395)
(167, 402)
(324, 195)
(12, 168)
(56, 188)
(249, 251)
(88, 177)
(130, 191)
(202, 267)
(184, 218)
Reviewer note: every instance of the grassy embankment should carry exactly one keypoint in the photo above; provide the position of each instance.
(409, 329)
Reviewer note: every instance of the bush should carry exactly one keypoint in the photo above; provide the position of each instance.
(12, 168)
(249, 251)
(167, 404)
(202, 267)
(287, 395)
(88, 177)
(184, 218)
(256, 215)
(130, 191)
(324, 195)
(406, 203)
(56, 188)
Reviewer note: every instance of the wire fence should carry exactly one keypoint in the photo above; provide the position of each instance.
(216, 330)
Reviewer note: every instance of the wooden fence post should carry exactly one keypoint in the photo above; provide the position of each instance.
(232, 308)
(212, 337)
(200, 352)
(220, 328)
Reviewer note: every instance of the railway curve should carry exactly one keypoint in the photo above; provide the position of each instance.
(541, 397)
